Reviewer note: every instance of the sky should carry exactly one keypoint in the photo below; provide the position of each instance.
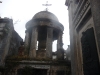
(23, 10)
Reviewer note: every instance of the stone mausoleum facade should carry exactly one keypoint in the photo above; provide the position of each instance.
(35, 55)
(84, 24)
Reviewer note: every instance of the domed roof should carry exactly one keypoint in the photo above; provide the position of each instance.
(44, 18)
(45, 15)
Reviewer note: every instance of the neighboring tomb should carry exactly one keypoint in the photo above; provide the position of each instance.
(9, 39)
(84, 24)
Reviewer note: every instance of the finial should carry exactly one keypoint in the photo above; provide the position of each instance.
(46, 5)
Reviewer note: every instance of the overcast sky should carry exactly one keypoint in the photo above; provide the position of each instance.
(24, 10)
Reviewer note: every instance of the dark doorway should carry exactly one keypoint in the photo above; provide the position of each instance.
(40, 71)
(60, 72)
(32, 72)
(89, 51)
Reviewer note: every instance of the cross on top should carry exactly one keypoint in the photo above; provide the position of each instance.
(46, 5)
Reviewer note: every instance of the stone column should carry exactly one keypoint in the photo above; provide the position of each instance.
(60, 51)
(26, 43)
(49, 43)
(74, 70)
(95, 8)
(33, 43)
(59, 41)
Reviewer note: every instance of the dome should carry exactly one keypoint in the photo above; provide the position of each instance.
(44, 18)
(45, 15)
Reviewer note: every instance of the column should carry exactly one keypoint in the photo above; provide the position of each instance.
(59, 41)
(95, 8)
(74, 70)
(33, 43)
(26, 43)
(60, 51)
(49, 43)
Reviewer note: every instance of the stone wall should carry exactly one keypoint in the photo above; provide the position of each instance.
(9, 39)
(82, 18)
(14, 44)
(6, 28)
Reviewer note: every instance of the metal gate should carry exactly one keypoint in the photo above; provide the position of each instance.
(89, 51)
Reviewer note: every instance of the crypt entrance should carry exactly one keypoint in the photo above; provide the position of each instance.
(89, 52)
(40, 72)
(31, 71)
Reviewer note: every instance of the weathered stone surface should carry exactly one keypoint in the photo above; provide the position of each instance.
(33, 43)
(60, 54)
(27, 39)
(49, 43)
(41, 54)
(42, 45)
(5, 43)
(79, 20)
(49, 23)
(2, 25)
(72, 37)
(15, 43)
(2, 28)
(44, 30)
(45, 14)
(60, 51)
(95, 8)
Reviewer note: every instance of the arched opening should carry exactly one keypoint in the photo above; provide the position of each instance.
(54, 49)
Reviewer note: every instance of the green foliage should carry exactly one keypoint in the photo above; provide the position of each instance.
(17, 58)
(25, 57)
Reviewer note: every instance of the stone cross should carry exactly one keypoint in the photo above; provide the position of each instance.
(46, 5)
